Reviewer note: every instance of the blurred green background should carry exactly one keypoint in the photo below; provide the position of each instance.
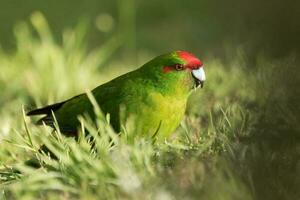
(240, 138)
(203, 27)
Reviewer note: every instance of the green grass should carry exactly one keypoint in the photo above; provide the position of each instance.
(207, 157)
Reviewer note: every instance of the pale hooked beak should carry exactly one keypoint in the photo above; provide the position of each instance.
(199, 76)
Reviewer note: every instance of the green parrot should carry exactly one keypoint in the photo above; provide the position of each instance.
(152, 97)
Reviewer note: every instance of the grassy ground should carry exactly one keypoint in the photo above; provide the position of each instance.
(214, 154)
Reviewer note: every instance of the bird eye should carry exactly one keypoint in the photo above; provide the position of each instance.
(178, 67)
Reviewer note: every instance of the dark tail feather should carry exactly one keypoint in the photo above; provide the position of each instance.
(45, 110)
(48, 120)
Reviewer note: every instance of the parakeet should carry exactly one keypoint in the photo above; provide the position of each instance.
(152, 97)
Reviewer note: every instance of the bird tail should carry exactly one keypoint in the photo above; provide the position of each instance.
(45, 110)
(48, 119)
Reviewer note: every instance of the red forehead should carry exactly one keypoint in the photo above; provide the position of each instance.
(190, 59)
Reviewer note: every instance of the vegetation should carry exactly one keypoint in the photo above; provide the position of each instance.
(219, 152)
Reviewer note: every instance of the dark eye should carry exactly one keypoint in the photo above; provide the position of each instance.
(178, 67)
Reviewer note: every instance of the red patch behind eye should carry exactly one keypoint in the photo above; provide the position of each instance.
(191, 61)
(167, 69)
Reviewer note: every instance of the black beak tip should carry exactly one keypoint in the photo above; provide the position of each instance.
(199, 83)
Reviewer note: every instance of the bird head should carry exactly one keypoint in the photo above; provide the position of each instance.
(178, 69)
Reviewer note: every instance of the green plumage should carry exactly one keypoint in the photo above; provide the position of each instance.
(153, 100)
